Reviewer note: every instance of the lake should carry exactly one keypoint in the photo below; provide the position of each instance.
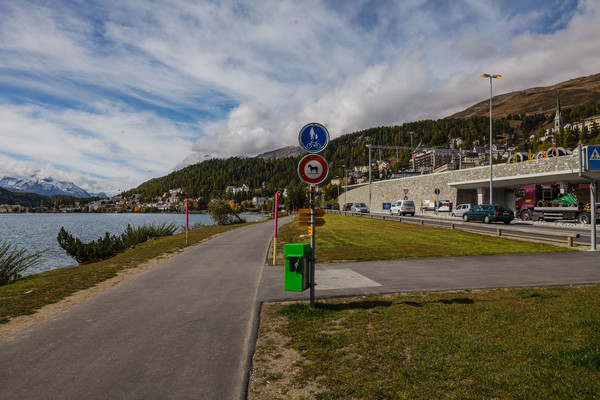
(37, 232)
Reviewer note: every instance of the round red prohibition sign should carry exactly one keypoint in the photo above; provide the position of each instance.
(313, 169)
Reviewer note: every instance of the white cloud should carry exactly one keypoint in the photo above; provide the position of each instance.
(116, 93)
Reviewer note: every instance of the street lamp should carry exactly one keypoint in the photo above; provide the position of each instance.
(491, 156)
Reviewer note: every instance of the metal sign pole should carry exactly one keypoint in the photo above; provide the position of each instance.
(312, 248)
(584, 165)
(593, 215)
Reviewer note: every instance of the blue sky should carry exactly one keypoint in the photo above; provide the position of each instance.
(108, 94)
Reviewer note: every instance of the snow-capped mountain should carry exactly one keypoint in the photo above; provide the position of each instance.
(46, 187)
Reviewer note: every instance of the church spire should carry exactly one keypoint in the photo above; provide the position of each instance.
(558, 119)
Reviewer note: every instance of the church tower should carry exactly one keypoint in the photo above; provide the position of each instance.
(558, 119)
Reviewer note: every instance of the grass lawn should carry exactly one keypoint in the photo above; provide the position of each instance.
(538, 343)
(32, 292)
(345, 238)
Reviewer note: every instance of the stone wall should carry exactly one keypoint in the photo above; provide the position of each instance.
(419, 188)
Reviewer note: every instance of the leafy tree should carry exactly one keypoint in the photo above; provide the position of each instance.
(223, 212)
(296, 196)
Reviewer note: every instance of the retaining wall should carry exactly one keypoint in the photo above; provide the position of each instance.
(419, 188)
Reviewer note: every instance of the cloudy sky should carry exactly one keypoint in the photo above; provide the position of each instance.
(108, 94)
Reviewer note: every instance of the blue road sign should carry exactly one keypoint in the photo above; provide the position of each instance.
(593, 157)
(387, 206)
(313, 137)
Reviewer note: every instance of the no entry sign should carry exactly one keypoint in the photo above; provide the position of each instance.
(313, 169)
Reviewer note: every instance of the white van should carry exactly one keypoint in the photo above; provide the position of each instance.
(403, 207)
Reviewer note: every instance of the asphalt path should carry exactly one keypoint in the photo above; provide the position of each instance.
(183, 329)
(441, 274)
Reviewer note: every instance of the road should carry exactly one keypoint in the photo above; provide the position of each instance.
(180, 330)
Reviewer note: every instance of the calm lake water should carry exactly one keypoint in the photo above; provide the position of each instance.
(37, 232)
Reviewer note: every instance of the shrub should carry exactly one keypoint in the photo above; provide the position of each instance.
(96, 250)
(108, 246)
(14, 261)
(136, 235)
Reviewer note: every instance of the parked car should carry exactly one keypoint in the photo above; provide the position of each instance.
(461, 209)
(336, 206)
(359, 207)
(347, 206)
(490, 213)
(403, 207)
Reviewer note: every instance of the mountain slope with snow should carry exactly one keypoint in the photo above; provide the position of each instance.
(46, 187)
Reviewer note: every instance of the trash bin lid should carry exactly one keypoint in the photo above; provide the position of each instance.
(296, 250)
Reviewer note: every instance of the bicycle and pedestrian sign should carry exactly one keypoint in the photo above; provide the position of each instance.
(312, 169)
(313, 137)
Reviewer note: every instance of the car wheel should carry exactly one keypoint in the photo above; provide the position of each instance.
(453, 215)
(465, 218)
(486, 219)
(412, 214)
(506, 222)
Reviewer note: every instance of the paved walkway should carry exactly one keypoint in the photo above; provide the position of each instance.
(185, 328)
(453, 273)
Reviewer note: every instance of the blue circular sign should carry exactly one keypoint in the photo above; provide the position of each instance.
(313, 137)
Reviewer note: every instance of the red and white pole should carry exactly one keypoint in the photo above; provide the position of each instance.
(275, 231)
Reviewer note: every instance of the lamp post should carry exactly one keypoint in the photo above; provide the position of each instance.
(491, 155)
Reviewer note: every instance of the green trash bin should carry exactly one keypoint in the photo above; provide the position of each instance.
(297, 266)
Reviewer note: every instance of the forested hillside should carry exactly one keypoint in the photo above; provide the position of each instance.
(37, 200)
(211, 177)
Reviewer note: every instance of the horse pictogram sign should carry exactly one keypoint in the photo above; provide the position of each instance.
(313, 169)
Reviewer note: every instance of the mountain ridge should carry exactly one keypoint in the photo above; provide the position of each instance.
(46, 187)
(538, 100)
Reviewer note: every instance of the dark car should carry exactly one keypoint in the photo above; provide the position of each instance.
(489, 213)
(336, 206)
(347, 206)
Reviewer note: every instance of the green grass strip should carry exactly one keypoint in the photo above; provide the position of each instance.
(345, 238)
(538, 343)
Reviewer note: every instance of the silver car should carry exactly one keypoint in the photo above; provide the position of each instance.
(461, 209)
(359, 207)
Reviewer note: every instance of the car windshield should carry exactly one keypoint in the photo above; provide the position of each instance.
(409, 203)
(360, 205)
